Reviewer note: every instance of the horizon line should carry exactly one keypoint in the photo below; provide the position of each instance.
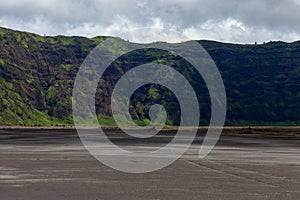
(208, 40)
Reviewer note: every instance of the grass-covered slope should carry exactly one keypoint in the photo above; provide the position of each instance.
(37, 75)
(262, 81)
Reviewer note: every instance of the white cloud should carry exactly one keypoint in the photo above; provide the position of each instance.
(233, 30)
(230, 21)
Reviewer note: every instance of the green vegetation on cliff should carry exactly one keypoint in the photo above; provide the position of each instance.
(37, 74)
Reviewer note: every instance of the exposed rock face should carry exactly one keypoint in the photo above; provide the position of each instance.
(37, 75)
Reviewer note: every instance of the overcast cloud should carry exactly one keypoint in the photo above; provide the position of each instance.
(222, 20)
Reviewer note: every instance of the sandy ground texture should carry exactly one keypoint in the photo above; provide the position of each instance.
(245, 164)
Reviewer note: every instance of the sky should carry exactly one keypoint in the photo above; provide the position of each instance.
(236, 21)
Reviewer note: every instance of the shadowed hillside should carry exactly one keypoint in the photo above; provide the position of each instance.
(37, 74)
